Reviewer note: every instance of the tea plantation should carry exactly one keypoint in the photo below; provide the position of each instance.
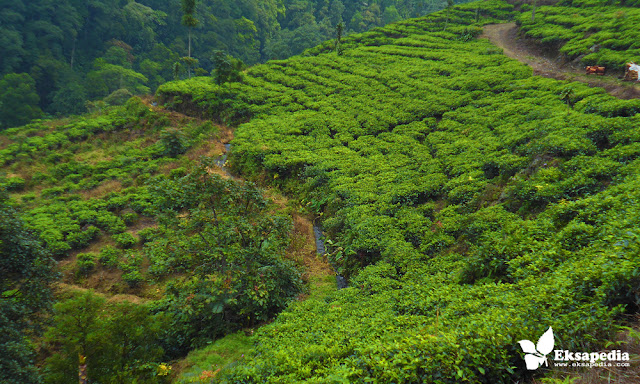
(471, 204)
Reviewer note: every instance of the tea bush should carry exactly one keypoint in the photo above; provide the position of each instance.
(110, 257)
(125, 240)
(469, 203)
(89, 178)
(86, 263)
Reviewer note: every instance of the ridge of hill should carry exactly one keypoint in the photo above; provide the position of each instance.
(471, 204)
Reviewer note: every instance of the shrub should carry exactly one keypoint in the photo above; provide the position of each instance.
(147, 234)
(173, 142)
(85, 264)
(81, 239)
(129, 218)
(110, 223)
(13, 184)
(133, 278)
(110, 257)
(124, 240)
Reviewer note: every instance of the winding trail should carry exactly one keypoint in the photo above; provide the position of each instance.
(524, 50)
(307, 244)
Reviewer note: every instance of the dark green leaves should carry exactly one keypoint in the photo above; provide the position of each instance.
(25, 275)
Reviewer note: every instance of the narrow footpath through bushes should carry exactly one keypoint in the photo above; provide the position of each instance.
(506, 36)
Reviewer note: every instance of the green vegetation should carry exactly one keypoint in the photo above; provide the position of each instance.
(119, 342)
(61, 166)
(204, 364)
(470, 204)
(226, 237)
(591, 31)
(206, 253)
(18, 100)
(26, 269)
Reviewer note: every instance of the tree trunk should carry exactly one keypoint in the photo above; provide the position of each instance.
(73, 51)
(82, 370)
(189, 66)
(533, 11)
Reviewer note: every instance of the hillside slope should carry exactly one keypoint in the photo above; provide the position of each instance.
(472, 204)
(159, 250)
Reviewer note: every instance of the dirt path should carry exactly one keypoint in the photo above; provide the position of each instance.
(506, 37)
(317, 271)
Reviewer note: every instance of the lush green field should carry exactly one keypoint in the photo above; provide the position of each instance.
(471, 204)
(591, 31)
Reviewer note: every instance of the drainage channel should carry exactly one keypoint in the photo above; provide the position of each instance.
(223, 158)
(341, 282)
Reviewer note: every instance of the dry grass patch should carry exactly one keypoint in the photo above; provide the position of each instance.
(103, 189)
(93, 157)
(170, 166)
(5, 142)
(63, 290)
(207, 149)
(220, 172)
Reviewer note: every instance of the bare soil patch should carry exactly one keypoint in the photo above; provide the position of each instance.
(551, 64)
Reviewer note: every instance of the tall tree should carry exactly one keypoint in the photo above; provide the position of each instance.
(390, 15)
(189, 20)
(119, 341)
(25, 274)
(339, 30)
(226, 68)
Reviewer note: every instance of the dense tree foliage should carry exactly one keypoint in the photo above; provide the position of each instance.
(85, 50)
(118, 342)
(18, 100)
(25, 274)
(220, 231)
(465, 199)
